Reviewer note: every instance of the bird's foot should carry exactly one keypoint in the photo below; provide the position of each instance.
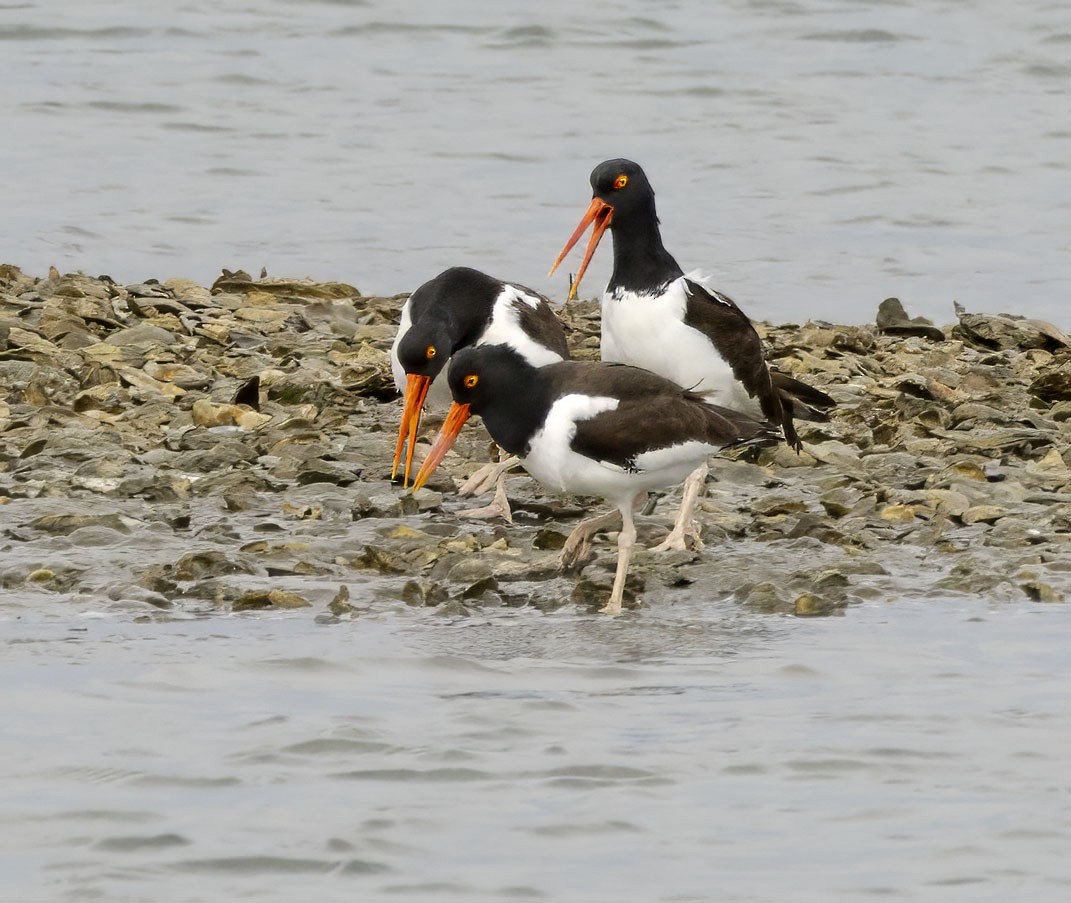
(488, 512)
(499, 506)
(681, 540)
(486, 477)
(577, 550)
(576, 553)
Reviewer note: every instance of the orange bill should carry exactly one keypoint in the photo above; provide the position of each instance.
(416, 390)
(600, 213)
(455, 419)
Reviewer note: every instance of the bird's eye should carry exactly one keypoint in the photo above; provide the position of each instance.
(470, 381)
(621, 181)
(430, 352)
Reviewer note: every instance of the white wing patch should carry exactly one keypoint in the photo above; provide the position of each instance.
(704, 280)
(531, 300)
(505, 328)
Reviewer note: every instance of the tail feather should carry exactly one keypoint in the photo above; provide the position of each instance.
(803, 402)
(750, 431)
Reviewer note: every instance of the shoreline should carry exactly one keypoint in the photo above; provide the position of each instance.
(168, 447)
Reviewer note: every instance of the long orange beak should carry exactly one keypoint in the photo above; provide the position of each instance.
(416, 390)
(600, 213)
(455, 419)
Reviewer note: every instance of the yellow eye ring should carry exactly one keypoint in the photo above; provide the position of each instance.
(430, 352)
(469, 382)
(621, 181)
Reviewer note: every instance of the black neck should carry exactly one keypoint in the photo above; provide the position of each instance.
(641, 261)
(464, 326)
(513, 418)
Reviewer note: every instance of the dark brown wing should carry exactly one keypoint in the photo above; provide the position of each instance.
(653, 413)
(731, 333)
(803, 402)
(541, 324)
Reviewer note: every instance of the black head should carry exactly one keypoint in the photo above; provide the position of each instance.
(447, 313)
(499, 385)
(623, 201)
(425, 348)
(495, 382)
(484, 376)
(623, 185)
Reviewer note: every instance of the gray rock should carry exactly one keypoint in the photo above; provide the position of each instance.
(144, 335)
(892, 319)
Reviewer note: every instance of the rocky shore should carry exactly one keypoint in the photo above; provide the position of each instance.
(169, 447)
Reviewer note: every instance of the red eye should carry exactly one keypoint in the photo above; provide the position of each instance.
(470, 381)
(621, 181)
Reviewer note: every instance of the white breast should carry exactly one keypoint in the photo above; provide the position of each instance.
(649, 331)
(395, 365)
(550, 459)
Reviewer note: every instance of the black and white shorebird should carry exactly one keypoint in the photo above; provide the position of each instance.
(461, 307)
(656, 317)
(590, 428)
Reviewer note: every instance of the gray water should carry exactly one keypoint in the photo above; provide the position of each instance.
(911, 751)
(812, 157)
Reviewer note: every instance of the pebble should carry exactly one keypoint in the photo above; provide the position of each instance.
(273, 598)
(184, 447)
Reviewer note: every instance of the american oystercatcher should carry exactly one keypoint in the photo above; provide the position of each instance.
(590, 428)
(656, 317)
(461, 307)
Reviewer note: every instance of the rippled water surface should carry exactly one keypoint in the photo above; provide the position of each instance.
(911, 751)
(814, 157)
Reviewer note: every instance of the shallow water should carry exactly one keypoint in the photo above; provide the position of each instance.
(814, 158)
(913, 750)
